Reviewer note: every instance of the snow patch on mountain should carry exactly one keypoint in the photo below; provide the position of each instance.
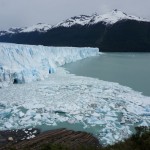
(40, 27)
(11, 31)
(113, 17)
(26, 63)
(77, 20)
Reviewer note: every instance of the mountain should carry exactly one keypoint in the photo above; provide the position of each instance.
(108, 19)
(40, 27)
(111, 32)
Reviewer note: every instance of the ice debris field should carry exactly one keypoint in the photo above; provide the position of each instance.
(63, 97)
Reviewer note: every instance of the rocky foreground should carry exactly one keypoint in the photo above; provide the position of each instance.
(62, 139)
(32, 139)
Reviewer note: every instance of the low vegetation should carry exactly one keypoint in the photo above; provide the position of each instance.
(138, 141)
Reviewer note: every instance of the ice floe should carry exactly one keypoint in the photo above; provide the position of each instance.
(113, 110)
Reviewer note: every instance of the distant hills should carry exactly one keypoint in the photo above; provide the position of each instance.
(112, 32)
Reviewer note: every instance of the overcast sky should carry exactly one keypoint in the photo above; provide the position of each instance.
(21, 13)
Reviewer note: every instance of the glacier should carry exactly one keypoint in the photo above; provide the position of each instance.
(26, 63)
(109, 110)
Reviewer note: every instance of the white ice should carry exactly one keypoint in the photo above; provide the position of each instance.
(109, 108)
(26, 63)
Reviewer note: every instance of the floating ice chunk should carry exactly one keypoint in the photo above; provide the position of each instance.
(25, 119)
(31, 113)
(37, 117)
(95, 114)
(71, 121)
(95, 120)
(26, 131)
(123, 121)
(147, 108)
(145, 113)
(79, 117)
(21, 114)
(34, 132)
(111, 113)
(5, 113)
(30, 137)
(144, 123)
(109, 118)
(8, 125)
(116, 137)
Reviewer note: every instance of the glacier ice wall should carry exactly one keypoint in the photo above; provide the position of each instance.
(26, 63)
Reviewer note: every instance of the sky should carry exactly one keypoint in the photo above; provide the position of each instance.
(22, 13)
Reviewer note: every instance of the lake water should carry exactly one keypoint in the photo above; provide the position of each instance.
(129, 69)
(108, 110)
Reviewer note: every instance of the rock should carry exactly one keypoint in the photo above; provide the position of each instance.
(10, 139)
(3, 140)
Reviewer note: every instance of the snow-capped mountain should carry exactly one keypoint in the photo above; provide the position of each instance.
(11, 31)
(77, 20)
(40, 27)
(108, 18)
(114, 16)
(113, 31)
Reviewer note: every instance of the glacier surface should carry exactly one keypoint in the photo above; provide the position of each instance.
(26, 63)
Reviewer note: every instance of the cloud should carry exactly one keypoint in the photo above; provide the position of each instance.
(20, 13)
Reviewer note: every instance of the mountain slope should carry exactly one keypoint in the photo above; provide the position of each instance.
(111, 32)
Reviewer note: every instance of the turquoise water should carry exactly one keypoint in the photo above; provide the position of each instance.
(76, 127)
(103, 108)
(129, 69)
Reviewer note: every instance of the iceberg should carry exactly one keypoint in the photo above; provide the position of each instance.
(26, 63)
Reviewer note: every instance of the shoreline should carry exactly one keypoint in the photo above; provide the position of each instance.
(35, 139)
